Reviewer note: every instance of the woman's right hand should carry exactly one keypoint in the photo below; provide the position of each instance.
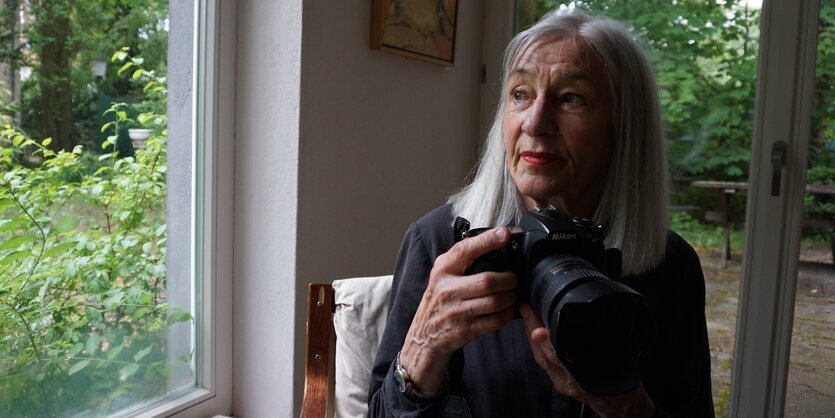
(456, 309)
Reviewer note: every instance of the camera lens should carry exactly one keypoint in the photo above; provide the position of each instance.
(596, 324)
(555, 275)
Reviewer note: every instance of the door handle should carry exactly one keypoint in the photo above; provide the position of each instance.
(778, 160)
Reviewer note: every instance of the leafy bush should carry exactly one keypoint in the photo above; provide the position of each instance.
(821, 206)
(83, 311)
(700, 235)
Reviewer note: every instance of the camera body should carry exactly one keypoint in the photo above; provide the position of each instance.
(541, 233)
(598, 326)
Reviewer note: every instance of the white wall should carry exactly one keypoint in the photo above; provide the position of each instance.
(339, 148)
(266, 190)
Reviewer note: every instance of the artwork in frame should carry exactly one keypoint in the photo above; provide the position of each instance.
(423, 29)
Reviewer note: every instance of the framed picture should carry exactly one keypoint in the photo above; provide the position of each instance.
(423, 29)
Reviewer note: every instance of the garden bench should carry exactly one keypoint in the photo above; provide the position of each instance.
(722, 214)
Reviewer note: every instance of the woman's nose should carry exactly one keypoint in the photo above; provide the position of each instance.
(540, 119)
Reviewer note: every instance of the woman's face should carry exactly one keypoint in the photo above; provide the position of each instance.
(557, 126)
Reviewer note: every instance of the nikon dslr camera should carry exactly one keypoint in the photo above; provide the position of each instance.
(598, 325)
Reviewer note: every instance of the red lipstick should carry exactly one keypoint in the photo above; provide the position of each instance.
(537, 158)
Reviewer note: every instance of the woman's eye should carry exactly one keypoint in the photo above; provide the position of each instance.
(571, 98)
(518, 95)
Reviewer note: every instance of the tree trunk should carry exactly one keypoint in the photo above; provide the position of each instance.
(55, 106)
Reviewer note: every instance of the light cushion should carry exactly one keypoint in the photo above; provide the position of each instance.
(358, 320)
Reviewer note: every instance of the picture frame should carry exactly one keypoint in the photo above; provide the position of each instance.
(421, 29)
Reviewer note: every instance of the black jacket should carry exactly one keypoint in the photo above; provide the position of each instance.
(500, 377)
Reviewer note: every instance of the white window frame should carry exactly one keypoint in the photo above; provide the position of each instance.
(213, 127)
(786, 75)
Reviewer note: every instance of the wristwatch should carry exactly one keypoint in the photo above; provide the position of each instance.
(405, 384)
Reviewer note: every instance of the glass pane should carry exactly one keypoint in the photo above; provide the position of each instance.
(705, 56)
(85, 297)
(811, 382)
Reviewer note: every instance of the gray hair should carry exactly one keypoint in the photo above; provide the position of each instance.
(633, 204)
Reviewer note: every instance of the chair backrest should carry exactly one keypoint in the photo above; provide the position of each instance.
(359, 307)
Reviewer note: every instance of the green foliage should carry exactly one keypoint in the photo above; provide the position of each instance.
(705, 56)
(822, 142)
(701, 235)
(824, 109)
(63, 38)
(83, 311)
(821, 206)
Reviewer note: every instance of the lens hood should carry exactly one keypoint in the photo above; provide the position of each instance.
(599, 329)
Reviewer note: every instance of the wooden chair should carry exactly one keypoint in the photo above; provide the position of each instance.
(345, 321)
(318, 350)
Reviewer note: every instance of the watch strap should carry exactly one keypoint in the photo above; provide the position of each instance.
(407, 386)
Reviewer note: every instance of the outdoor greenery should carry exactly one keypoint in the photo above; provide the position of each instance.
(84, 316)
(822, 151)
(705, 56)
(701, 236)
(59, 40)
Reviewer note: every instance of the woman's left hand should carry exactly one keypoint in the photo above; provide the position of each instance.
(635, 403)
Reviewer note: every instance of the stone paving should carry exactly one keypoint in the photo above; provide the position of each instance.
(811, 386)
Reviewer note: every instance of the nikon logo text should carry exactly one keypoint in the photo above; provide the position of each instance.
(559, 236)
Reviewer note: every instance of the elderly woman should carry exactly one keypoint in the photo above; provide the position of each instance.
(578, 127)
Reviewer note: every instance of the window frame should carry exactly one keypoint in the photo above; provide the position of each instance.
(786, 75)
(212, 170)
